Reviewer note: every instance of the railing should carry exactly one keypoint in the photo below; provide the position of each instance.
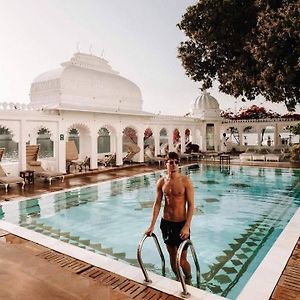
(139, 256)
(185, 293)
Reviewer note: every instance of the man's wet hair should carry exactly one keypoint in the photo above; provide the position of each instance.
(172, 155)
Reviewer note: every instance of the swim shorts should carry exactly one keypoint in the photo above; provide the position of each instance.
(171, 232)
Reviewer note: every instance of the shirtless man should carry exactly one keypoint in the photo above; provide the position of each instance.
(178, 193)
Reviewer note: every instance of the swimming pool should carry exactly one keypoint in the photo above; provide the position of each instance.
(240, 211)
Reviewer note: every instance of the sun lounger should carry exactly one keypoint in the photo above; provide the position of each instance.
(133, 149)
(276, 155)
(1, 153)
(72, 158)
(34, 165)
(7, 179)
(149, 157)
(211, 155)
(42, 173)
(248, 154)
(108, 160)
(260, 154)
(185, 156)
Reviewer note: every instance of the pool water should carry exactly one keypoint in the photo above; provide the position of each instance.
(240, 212)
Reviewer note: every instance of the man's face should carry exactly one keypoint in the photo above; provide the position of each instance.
(172, 164)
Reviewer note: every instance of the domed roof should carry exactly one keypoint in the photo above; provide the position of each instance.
(86, 81)
(206, 107)
(205, 101)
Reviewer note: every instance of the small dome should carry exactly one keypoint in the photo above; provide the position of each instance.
(205, 101)
(205, 107)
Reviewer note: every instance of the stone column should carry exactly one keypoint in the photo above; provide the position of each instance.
(119, 146)
(140, 141)
(170, 138)
(277, 140)
(156, 141)
(94, 148)
(182, 140)
(61, 146)
(22, 145)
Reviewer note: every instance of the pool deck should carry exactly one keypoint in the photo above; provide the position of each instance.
(47, 275)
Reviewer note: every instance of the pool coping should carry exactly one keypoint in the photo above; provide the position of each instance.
(260, 286)
(159, 282)
(264, 279)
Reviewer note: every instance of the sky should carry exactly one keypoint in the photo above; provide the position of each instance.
(139, 38)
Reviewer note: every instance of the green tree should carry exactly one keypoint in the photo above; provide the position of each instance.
(250, 46)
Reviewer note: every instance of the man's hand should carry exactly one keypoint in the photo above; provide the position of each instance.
(149, 231)
(185, 232)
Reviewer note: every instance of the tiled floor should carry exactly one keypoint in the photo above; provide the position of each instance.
(41, 280)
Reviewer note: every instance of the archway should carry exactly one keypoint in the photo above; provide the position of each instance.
(11, 147)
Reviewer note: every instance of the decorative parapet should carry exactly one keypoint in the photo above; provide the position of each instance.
(171, 117)
(226, 121)
(16, 106)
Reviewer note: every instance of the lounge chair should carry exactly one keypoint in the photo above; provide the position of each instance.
(133, 149)
(149, 157)
(72, 158)
(34, 165)
(212, 155)
(32, 153)
(276, 155)
(185, 156)
(108, 160)
(86, 164)
(260, 154)
(7, 179)
(248, 154)
(1, 153)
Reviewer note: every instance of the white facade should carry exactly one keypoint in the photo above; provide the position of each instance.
(87, 95)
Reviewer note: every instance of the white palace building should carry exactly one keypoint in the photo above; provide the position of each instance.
(87, 101)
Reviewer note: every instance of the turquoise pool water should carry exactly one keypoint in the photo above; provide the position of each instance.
(240, 212)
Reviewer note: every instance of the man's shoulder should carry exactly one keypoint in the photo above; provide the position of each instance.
(186, 180)
(161, 180)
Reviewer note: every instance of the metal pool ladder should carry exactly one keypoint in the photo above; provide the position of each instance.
(139, 257)
(185, 293)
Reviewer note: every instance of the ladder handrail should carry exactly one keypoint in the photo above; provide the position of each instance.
(185, 293)
(139, 256)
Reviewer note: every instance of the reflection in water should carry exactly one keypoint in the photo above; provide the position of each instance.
(29, 209)
(74, 198)
(116, 188)
(225, 169)
(1, 212)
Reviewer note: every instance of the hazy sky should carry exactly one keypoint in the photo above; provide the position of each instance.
(139, 38)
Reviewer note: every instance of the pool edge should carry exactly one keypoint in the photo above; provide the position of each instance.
(263, 281)
(160, 283)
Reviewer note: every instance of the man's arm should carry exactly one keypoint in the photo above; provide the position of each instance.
(189, 197)
(156, 206)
